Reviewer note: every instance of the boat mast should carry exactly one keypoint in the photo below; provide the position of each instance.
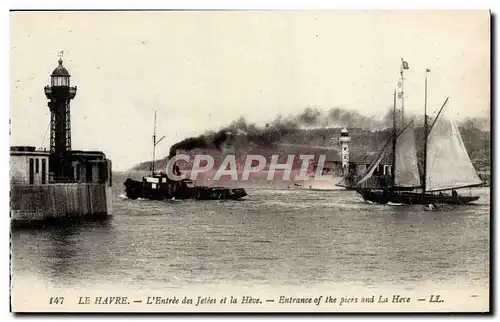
(394, 136)
(154, 147)
(402, 94)
(426, 134)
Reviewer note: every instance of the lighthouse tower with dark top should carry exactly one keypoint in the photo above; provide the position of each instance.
(63, 183)
(60, 93)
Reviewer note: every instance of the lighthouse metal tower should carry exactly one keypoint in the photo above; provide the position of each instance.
(60, 93)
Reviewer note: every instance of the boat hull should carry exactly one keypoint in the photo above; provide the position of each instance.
(179, 190)
(413, 198)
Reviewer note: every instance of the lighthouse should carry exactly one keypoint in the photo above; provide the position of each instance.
(60, 94)
(344, 150)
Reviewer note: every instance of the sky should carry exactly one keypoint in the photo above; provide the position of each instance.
(202, 70)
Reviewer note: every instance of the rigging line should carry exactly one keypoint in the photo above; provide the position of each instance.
(45, 135)
(437, 116)
(407, 126)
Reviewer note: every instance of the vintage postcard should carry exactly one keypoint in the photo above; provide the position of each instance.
(250, 161)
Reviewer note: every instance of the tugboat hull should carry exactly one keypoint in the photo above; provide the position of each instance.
(179, 190)
(413, 198)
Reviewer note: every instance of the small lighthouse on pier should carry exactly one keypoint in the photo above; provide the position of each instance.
(344, 150)
(62, 183)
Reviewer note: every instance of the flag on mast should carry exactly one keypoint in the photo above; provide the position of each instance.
(405, 65)
(427, 70)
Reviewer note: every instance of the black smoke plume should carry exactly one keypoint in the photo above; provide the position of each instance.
(262, 136)
(272, 132)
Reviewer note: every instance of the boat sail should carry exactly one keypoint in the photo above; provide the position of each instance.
(374, 165)
(406, 166)
(448, 164)
(405, 161)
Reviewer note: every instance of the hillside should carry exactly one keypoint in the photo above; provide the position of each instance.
(364, 145)
(316, 132)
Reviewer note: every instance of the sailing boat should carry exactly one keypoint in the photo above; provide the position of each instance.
(447, 166)
(404, 175)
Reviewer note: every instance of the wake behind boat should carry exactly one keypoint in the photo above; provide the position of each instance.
(329, 184)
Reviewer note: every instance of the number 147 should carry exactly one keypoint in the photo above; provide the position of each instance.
(56, 300)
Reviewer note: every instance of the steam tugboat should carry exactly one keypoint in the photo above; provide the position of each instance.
(159, 186)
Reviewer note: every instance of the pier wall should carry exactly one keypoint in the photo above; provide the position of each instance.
(59, 201)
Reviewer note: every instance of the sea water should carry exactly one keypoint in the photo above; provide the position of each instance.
(275, 238)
